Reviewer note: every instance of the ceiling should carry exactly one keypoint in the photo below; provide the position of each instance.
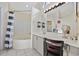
(20, 6)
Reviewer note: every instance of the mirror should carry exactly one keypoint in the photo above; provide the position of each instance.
(62, 17)
(49, 26)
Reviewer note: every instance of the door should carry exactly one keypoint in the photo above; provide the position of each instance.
(38, 44)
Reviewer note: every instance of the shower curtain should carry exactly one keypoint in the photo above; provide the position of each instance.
(9, 31)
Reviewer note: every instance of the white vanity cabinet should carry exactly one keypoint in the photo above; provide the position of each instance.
(34, 42)
(38, 44)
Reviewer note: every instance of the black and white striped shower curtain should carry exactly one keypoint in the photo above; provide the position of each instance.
(9, 31)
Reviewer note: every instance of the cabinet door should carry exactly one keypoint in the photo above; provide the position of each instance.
(40, 45)
(34, 42)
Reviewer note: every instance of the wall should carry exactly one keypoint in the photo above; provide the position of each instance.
(19, 6)
(22, 26)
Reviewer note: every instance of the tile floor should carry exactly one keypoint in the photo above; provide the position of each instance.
(19, 52)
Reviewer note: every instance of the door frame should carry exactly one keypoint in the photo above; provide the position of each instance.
(1, 29)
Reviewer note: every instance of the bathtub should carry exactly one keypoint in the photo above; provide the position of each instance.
(22, 44)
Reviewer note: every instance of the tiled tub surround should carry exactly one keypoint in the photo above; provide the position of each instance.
(19, 52)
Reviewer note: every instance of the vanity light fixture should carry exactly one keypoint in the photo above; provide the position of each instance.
(49, 8)
(55, 6)
(46, 10)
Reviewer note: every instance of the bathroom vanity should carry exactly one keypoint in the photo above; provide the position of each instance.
(38, 43)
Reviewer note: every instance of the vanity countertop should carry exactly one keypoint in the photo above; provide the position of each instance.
(70, 42)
